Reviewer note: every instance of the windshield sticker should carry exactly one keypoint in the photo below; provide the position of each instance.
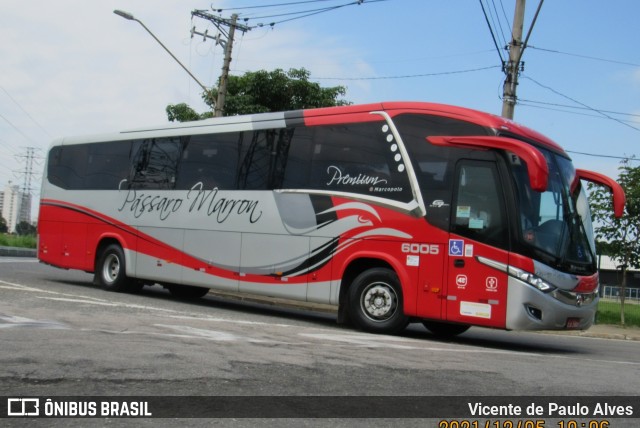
(463, 211)
(476, 223)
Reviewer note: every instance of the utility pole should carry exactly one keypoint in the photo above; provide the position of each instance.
(513, 67)
(221, 24)
(27, 175)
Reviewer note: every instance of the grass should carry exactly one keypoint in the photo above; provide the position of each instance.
(609, 313)
(26, 241)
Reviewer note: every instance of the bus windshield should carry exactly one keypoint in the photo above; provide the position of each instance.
(556, 223)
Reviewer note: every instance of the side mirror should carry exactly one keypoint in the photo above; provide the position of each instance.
(619, 198)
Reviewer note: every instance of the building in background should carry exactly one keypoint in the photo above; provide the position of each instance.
(15, 206)
(611, 278)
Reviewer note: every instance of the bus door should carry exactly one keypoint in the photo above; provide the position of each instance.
(476, 287)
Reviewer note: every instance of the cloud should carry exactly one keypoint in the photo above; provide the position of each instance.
(77, 68)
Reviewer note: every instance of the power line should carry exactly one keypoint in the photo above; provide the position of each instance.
(497, 19)
(525, 104)
(580, 108)
(17, 129)
(493, 36)
(629, 158)
(311, 12)
(582, 104)
(25, 112)
(272, 5)
(504, 13)
(409, 75)
(585, 56)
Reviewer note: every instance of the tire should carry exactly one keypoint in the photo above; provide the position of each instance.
(111, 269)
(445, 330)
(187, 291)
(375, 302)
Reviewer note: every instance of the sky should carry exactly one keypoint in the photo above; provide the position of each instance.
(73, 67)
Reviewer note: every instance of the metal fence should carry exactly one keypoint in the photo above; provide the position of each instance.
(612, 292)
(610, 304)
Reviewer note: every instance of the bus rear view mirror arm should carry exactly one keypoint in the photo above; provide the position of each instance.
(619, 198)
(535, 160)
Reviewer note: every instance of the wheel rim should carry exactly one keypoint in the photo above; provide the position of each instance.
(379, 302)
(111, 268)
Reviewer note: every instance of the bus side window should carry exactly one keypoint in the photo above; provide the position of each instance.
(296, 161)
(107, 165)
(67, 166)
(360, 158)
(210, 159)
(155, 163)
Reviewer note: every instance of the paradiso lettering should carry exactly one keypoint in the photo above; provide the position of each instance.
(198, 199)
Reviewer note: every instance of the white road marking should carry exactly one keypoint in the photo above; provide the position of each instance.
(217, 335)
(327, 336)
(9, 321)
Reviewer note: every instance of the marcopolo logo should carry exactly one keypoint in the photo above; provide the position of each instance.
(23, 407)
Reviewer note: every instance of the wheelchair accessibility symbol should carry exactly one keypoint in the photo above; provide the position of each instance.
(456, 247)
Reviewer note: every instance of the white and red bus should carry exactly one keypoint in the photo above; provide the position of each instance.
(393, 212)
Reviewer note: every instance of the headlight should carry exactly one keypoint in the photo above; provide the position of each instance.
(530, 279)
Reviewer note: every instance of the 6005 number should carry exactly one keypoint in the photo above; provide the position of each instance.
(410, 248)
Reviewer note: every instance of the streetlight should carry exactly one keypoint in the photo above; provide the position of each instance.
(130, 17)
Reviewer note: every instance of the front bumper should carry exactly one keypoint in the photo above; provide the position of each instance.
(531, 309)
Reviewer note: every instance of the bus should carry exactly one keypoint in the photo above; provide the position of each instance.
(392, 213)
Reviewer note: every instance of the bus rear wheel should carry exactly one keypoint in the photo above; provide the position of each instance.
(443, 329)
(375, 301)
(111, 269)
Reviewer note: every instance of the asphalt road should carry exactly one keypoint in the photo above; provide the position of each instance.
(62, 335)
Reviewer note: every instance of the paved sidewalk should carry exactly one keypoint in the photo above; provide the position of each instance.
(605, 331)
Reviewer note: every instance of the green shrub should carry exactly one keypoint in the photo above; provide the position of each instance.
(25, 241)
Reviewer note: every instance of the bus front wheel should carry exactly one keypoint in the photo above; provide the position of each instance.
(111, 269)
(375, 301)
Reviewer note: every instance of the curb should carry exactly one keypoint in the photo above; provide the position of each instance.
(17, 252)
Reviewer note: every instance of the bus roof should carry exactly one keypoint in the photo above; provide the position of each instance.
(325, 115)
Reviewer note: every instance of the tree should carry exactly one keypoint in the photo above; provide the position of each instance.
(25, 228)
(3, 225)
(183, 113)
(265, 91)
(619, 236)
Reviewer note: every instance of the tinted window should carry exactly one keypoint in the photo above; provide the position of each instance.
(107, 165)
(155, 163)
(434, 166)
(478, 210)
(211, 160)
(89, 166)
(358, 158)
